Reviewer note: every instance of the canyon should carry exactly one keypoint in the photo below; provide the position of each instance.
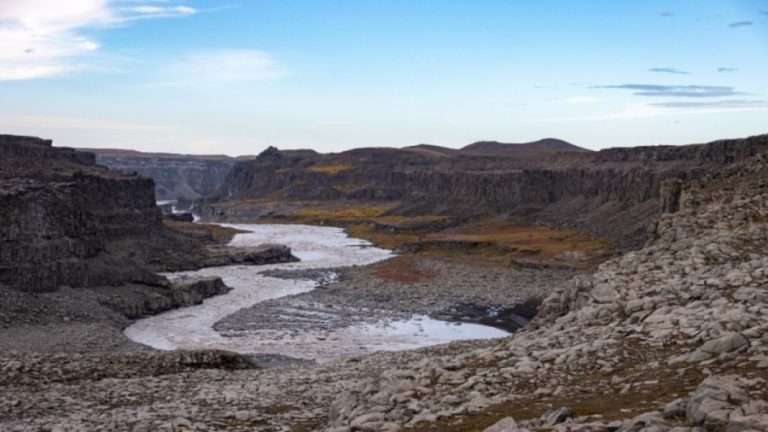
(177, 177)
(641, 270)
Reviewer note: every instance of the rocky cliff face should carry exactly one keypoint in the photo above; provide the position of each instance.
(80, 246)
(185, 177)
(58, 213)
(611, 193)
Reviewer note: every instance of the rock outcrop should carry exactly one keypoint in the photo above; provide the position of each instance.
(58, 213)
(144, 302)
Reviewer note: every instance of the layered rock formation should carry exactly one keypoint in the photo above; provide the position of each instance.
(58, 213)
(177, 177)
(611, 193)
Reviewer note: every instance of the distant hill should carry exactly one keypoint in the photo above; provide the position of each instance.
(495, 148)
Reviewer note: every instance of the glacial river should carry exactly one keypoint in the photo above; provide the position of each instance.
(317, 247)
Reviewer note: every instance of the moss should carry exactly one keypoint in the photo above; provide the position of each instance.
(329, 169)
(211, 232)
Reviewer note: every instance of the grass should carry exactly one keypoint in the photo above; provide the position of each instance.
(367, 231)
(210, 232)
(329, 169)
(537, 241)
(496, 243)
(492, 242)
(397, 219)
(342, 214)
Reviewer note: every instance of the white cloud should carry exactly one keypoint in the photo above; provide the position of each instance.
(162, 10)
(43, 38)
(222, 66)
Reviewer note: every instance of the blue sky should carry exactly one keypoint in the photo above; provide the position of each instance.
(235, 77)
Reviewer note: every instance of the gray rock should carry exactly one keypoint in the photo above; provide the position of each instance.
(507, 424)
(724, 344)
(555, 417)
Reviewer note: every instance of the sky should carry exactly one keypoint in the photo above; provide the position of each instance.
(233, 77)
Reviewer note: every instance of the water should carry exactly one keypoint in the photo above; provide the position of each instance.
(317, 247)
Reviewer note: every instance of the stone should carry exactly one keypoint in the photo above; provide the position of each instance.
(604, 293)
(507, 424)
(642, 422)
(724, 344)
(757, 422)
(674, 409)
(556, 417)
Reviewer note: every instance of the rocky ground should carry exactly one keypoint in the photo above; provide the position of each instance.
(672, 337)
(401, 288)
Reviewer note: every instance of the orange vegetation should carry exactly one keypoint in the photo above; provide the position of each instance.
(402, 269)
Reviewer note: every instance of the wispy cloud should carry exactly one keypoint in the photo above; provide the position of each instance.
(44, 38)
(714, 104)
(577, 100)
(639, 111)
(727, 69)
(219, 67)
(153, 10)
(738, 24)
(669, 71)
(691, 91)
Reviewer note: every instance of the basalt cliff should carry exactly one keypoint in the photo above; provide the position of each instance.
(177, 177)
(611, 194)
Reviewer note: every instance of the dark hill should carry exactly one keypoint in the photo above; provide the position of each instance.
(495, 148)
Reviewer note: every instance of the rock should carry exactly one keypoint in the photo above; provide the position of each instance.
(507, 424)
(556, 417)
(258, 255)
(179, 217)
(180, 293)
(674, 409)
(604, 294)
(643, 422)
(758, 422)
(724, 344)
(710, 403)
(365, 418)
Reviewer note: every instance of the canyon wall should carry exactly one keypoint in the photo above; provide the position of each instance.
(184, 177)
(614, 193)
(59, 214)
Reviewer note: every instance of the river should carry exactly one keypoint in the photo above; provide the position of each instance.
(316, 247)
